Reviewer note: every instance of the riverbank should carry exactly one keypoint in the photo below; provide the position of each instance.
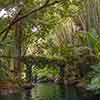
(49, 91)
(12, 87)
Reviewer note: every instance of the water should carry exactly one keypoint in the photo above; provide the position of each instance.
(49, 91)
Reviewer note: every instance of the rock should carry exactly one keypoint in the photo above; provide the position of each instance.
(76, 83)
(73, 82)
(27, 86)
(81, 84)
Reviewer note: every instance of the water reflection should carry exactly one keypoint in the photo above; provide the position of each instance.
(28, 95)
(17, 96)
(49, 91)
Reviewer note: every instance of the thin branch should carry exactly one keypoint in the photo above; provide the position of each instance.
(5, 35)
(46, 5)
(7, 30)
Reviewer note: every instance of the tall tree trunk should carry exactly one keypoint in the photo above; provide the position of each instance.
(18, 44)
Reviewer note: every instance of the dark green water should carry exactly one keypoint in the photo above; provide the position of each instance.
(49, 91)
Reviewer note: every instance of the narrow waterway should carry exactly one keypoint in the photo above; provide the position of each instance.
(49, 91)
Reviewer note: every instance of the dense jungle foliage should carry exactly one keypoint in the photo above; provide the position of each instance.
(56, 29)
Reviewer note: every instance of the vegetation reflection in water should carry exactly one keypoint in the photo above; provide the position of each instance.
(49, 91)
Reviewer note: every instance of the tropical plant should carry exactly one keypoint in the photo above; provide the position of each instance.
(94, 78)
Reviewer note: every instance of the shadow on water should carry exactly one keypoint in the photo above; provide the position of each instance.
(28, 95)
(16, 96)
(49, 91)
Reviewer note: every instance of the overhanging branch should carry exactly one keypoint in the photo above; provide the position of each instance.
(37, 60)
(46, 5)
(7, 30)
